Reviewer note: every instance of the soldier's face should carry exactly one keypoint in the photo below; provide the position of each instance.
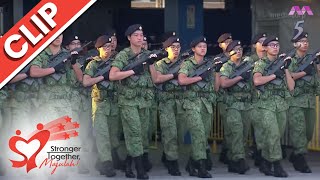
(273, 48)
(74, 44)
(114, 42)
(200, 49)
(237, 51)
(58, 41)
(105, 50)
(136, 38)
(304, 44)
(174, 50)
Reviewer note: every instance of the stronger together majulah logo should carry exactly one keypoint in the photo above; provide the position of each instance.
(61, 129)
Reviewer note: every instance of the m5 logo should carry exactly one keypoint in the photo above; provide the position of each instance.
(302, 11)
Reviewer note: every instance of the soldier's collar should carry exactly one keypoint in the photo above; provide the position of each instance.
(167, 60)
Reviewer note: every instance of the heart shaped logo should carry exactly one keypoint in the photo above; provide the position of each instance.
(28, 149)
(42, 137)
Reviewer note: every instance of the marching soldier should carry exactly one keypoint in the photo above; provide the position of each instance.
(54, 93)
(198, 106)
(272, 107)
(135, 98)
(257, 45)
(257, 54)
(302, 105)
(106, 118)
(168, 105)
(238, 101)
(224, 40)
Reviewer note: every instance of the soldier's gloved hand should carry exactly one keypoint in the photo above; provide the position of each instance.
(206, 74)
(28, 73)
(106, 76)
(218, 66)
(279, 73)
(138, 69)
(74, 57)
(152, 58)
(59, 68)
(308, 70)
(287, 62)
(246, 75)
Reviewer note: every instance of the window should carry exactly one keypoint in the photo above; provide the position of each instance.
(144, 4)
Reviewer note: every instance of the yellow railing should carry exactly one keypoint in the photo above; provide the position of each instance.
(315, 144)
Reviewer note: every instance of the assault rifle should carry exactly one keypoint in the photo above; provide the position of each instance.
(143, 58)
(276, 65)
(62, 57)
(309, 61)
(244, 67)
(174, 68)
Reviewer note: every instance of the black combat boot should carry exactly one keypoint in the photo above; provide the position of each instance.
(208, 160)
(173, 168)
(141, 173)
(164, 160)
(265, 167)
(106, 168)
(146, 163)
(223, 156)
(257, 158)
(299, 163)
(240, 166)
(128, 169)
(202, 171)
(278, 170)
(190, 168)
(117, 162)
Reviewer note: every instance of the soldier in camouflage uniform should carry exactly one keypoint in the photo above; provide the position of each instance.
(168, 105)
(80, 102)
(135, 98)
(257, 54)
(224, 40)
(302, 111)
(272, 107)
(105, 98)
(154, 106)
(239, 106)
(197, 104)
(55, 93)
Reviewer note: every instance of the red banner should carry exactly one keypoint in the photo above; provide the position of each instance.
(34, 32)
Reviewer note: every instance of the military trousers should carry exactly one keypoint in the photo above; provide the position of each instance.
(198, 123)
(301, 124)
(239, 122)
(272, 125)
(135, 122)
(169, 123)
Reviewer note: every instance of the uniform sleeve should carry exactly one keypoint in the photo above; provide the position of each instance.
(120, 60)
(258, 67)
(38, 61)
(185, 68)
(225, 70)
(159, 67)
(90, 69)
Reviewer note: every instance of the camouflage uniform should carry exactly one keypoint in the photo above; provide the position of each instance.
(197, 104)
(302, 110)
(106, 119)
(24, 104)
(134, 100)
(272, 108)
(54, 95)
(239, 113)
(170, 112)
